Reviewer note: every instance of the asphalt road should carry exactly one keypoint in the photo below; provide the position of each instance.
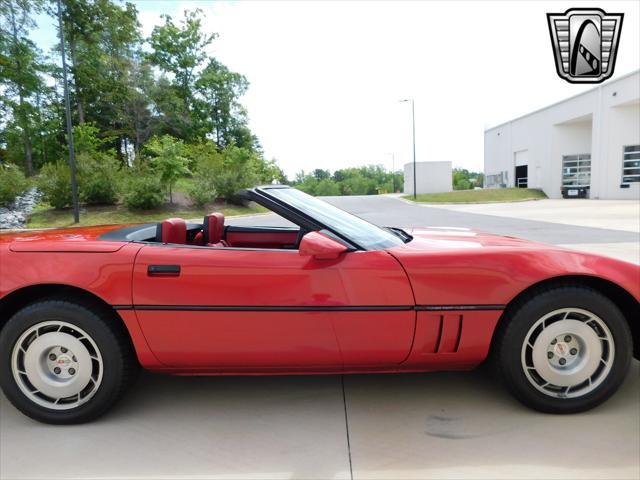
(389, 211)
(436, 425)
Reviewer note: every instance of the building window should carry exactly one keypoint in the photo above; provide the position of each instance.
(631, 164)
(498, 180)
(576, 170)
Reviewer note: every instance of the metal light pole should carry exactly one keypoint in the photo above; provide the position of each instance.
(413, 120)
(72, 158)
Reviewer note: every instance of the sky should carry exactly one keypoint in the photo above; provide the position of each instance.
(326, 77)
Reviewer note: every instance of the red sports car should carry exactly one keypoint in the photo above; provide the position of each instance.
(82, 309)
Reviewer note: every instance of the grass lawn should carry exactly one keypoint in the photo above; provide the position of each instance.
(480, 196)
(44, 216)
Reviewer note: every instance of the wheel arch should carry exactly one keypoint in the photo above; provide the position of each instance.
(20, 298)
(629, 306)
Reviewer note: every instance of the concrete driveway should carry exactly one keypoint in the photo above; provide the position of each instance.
(438, 425)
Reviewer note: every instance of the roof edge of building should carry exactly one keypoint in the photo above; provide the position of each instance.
(602, 85)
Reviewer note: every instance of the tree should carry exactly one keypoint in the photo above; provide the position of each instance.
(20, 68)
(137, 115)
(167, 99)
(169, 161)
(103, 39)
(80, 25)
(326, 188)
(320, 174)
(179, 50)
(220, 90)
(463, 179)
(367, 180)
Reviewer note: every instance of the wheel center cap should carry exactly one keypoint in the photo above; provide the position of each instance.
(63, 361)
(561, 349)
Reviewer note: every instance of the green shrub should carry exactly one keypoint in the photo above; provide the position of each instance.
(54, 182)
(202, 191)
(12, 183)
(143, 192)
(326, 188)
(359, 185)
(229, 182)
(238, 172)
(207, 163)
(98, 179)
(203, 157)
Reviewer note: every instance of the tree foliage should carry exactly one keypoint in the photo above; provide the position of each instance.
(12, 183)
(21, 69)
(369, 180)
(463, 179)
(168, 161)
(163, 100)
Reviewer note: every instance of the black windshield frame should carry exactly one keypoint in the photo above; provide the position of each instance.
(264, 196)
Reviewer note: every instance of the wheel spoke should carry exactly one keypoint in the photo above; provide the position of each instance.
(565, 349)
(54, 362)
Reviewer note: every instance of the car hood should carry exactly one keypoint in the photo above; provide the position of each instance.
(457, 265)
(79, 239)
(446, 238)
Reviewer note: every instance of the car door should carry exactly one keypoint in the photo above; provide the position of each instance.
(234, 309)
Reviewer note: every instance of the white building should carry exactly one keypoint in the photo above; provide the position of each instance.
(432, 177)
(587, 145)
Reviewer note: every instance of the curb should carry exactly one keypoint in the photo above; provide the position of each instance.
(435, 204)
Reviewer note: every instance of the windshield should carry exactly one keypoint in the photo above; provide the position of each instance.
(361, 232)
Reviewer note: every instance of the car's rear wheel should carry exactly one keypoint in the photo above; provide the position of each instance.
(64, 362)
(563, 350)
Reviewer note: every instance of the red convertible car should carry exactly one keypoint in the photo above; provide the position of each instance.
(82, 309)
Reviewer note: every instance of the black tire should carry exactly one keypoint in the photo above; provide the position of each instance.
(119, 365)
(510, 337)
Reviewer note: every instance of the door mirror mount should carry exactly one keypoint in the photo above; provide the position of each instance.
(320, 247)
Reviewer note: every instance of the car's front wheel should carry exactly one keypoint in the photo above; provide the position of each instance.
(564, 350)
(64, 362)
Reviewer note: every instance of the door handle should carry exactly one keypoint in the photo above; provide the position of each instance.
(163, 270)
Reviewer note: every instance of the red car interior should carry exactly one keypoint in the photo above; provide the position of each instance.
(213, 230)
(215, 234)
(261, 239)
(172, 230)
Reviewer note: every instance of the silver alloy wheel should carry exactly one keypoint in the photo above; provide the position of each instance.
(57, 365)
(568, 353)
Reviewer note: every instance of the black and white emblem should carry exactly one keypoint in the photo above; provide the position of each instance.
(585, 43)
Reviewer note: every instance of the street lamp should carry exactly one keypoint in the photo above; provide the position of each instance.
(67, 104)
(413, 120)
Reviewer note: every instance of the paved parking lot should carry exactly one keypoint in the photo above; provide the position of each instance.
(437, 425)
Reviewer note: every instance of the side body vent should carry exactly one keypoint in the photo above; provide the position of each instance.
(450, 333)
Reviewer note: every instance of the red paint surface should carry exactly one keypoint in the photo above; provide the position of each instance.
(228, 277)
(439, 267)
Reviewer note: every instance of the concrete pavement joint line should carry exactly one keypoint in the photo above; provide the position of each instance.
(346, 424)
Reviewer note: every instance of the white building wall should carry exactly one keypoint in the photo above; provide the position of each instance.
(432, 177)
(596, 122)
